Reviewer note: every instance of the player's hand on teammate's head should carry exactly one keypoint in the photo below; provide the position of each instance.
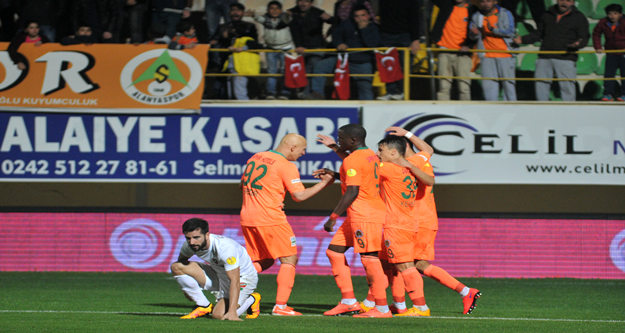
(402, 162)
(396, 130)
(326, 140)
(324, 171)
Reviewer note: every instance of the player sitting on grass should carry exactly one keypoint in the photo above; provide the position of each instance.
(229, 274)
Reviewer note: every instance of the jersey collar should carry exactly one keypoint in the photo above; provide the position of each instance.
(275, 152)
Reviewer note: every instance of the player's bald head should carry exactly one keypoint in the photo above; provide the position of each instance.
(293, 139)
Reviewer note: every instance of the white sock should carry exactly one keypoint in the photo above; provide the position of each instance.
(348, 301)
(243, 308)
(422, 307)
(281, 306)
(192, 288)
(464, 291)
(382, 308)
(399, 305)
(368, 303)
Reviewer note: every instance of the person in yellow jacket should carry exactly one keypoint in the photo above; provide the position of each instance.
(238, 36)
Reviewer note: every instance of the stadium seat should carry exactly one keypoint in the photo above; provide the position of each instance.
(549, 3)
(528, 63)
(586, 63)
(601, 68)
(585, 6)
(523, 10)
(599, 12)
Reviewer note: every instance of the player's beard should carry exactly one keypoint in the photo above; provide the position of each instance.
(196, 248)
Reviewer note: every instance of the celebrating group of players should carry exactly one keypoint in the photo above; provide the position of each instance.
(391, 222)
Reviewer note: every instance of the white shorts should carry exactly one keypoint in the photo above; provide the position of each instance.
(220, 286)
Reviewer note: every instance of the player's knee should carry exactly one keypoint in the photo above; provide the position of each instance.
(217, 315)
(176, 268)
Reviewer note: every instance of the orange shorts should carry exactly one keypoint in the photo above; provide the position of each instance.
(363, 237)
(424, 246)
(270, 242)
(399, 245)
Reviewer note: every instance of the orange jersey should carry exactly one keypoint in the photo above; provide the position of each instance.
(425, 207)
(493, 42)
(184, 40)
(360, 168)
(267, 177)
(397, 186)
(455, 30)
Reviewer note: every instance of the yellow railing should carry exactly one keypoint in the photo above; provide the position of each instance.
(430, 58)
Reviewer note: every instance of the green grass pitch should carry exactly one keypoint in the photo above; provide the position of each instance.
(153, 302)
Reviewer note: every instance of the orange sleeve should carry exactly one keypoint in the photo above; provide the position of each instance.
(291, 178)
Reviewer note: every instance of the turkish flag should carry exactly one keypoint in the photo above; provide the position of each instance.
(341, 78)
(294, 71)
(389, 65)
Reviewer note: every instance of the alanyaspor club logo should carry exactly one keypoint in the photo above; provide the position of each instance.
(165, 80)
(441, 131)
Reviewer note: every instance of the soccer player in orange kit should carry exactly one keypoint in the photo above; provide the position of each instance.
(363, 227)
(268, 235)
(428, 226)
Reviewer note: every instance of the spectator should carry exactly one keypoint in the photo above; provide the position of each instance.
(238, 36)
(185, 38)
(135, 11)
(277, 37)
(451, 31)
(562, 28)
(357, 33)
(167, 13)
(45, 12)
(307, 31)
(83, 35)
(29, 35)
(613, 27)
(400, 26)
(494, 26)
(103, 16)
(7, 20)
(215, 11)
(343, 10)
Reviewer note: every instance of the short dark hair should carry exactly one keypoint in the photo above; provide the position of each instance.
(184, 25)
(394, 142)
(360, 7)
(355, 131)
(614, 7)
(274, 2)
(29, 22)
(193, 224)
(238, 5)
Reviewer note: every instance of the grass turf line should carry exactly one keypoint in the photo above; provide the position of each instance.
(107, 302)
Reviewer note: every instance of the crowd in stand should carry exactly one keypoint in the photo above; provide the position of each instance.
(460, 25)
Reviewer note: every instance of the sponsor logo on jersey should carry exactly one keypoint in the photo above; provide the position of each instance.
(351, 173)
(231, 260)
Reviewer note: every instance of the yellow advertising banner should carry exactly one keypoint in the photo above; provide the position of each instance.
(103, 78)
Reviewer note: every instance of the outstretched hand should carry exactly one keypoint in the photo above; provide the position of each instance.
(326, 140)
(323, 172)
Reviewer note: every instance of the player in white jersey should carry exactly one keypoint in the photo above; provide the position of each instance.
(228, 273)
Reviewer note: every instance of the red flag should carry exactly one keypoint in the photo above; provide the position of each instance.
(341, 78)
(294, 71)
(389, 65)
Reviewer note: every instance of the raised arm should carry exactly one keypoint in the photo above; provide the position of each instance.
(330, 143)
(415, 140)
(421, 176)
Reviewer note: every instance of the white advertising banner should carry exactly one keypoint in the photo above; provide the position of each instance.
(513, 144)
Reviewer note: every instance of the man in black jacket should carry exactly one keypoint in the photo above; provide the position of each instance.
(562, 28)
(357, 33)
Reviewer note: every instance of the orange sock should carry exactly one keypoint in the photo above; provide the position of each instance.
(414, 285)
(286, 279)
(342, 274)
(258, 267)
(396, 281)
(377, 280)
(442, 277)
